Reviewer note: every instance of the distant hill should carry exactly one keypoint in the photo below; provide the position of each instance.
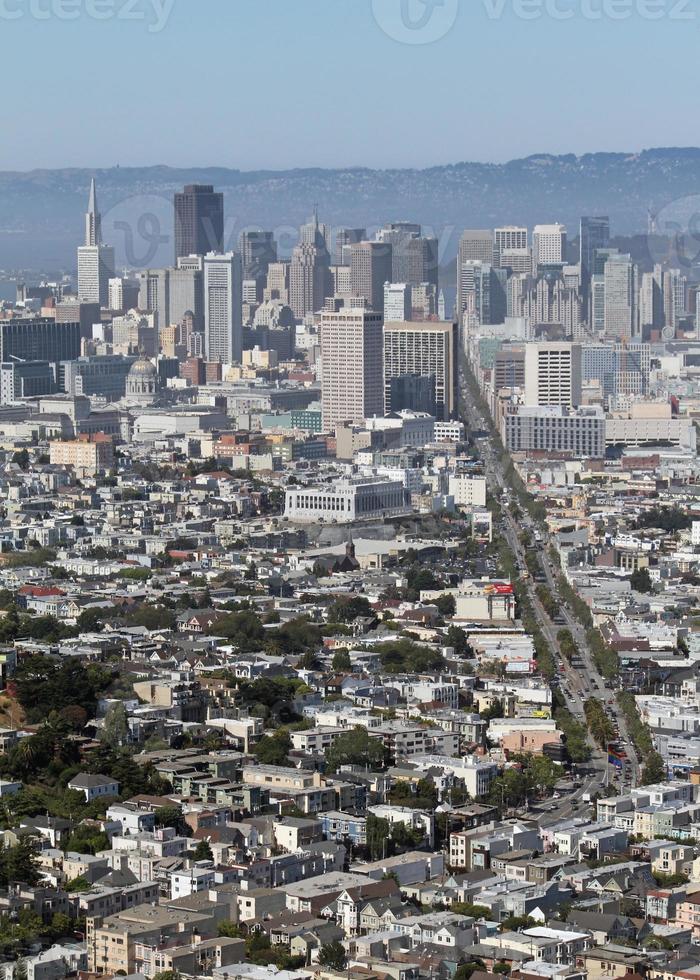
(41, 212)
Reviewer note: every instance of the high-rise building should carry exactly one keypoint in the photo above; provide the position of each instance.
(199, 221)
(258, 250)
(553, 374)
(309, 279)
(483, 291)
(352, 386)
(428, 349)
(223, 326)
(549, 245)
(397, 301)
(344, 238)
(277, 287)
(598, 304)
(38, 339)
(509, 239)
(675, 293)
(621, 369)
(154, 294)
(95, 260)
(594, 233)
(651, 299)
(370, 269)
(414, 258)
(475, 245)
(621, 292)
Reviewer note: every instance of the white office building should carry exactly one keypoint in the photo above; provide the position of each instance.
(549, 244)
(553, 374)
(398, 303)
(553, 429)
(223, 298)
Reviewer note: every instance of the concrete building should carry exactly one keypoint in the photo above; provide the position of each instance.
(370, 269)
(87, 455)
(352, 381)
(397, 301)
(347, 500)
(427, 349)
(553, 374)
(223, 325)
(549, 244)
(554, 429)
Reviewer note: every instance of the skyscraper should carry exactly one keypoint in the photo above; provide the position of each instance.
(621, 292)
(509, 239)
(427, 349)
(397, 301)
(343, 239)
(258, 250)
(594, 233)
(223, 287)
(549, 244)
(370, 269)
(475, 245)
(199, 221)
(351, 356)
(553, 374)
(309, 279)
(414, 257)
(95, 260)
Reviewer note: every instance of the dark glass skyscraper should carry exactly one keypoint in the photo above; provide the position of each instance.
(595, 233)
(199, 221)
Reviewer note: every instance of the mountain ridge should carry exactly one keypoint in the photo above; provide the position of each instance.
(41, 211)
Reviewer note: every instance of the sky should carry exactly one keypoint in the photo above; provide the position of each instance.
(276, 84)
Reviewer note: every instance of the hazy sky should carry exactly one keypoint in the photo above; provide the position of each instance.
(287, 83)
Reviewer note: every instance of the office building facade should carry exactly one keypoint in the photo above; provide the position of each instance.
(352, 381)
(199, 221)
(223, 325)
(428, 349)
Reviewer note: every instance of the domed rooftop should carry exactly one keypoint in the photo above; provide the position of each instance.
(143, 368)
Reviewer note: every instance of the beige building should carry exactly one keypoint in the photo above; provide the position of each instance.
(88, 455)
(352, 382)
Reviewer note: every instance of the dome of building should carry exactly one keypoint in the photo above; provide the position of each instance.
(143, 368)
(142, 382)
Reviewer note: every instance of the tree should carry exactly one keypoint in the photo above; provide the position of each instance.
(333, 956)
(345, 609)
(641, 580)
(21, 458)
(273, 750)
(168, 816)
(356, 747)
(457, 639)
(446, 605)
(115, 725)
(654, 770)
(21, 965)
(167, 975)
(19, 863)
(342, 661)
(203, 851)
(465, 970)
